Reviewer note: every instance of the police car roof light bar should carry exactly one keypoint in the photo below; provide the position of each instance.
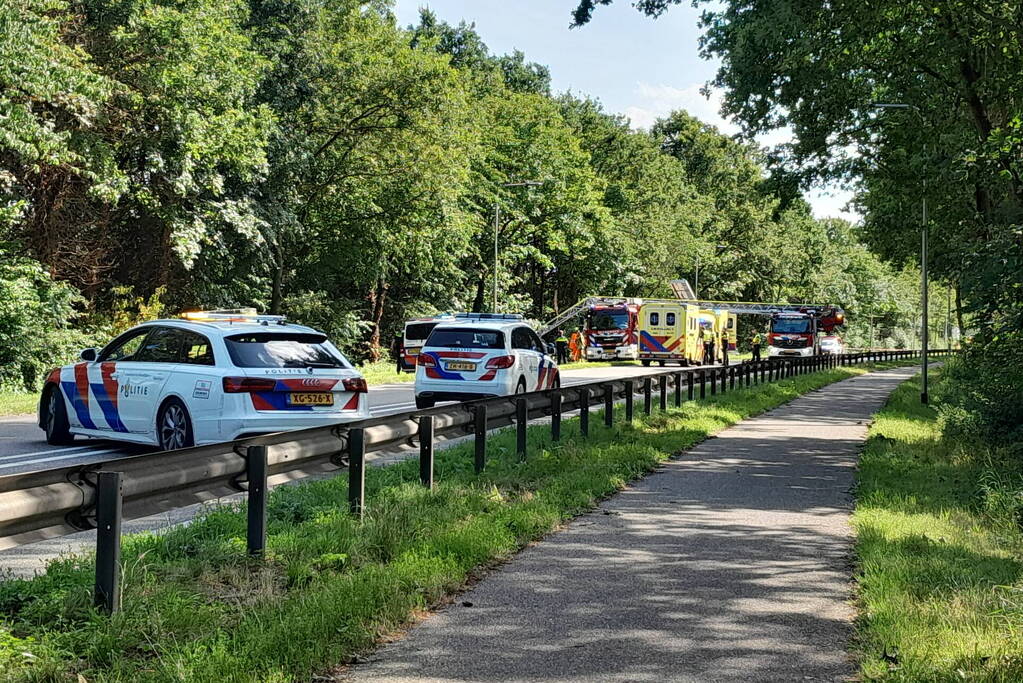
(489, 316)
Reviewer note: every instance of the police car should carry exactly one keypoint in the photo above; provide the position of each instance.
(480, 355)
(204, 378)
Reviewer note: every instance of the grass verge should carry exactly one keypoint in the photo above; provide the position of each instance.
(17, 403)
(197, 609)
(939, 552)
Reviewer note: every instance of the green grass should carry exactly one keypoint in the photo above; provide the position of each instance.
(940, 569)
(17, 403)
(197, 609)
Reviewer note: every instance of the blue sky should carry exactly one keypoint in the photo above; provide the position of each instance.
(634, 65)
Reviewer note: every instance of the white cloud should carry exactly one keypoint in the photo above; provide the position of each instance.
(656, 101)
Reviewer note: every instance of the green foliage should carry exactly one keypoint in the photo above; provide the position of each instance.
(36, 317)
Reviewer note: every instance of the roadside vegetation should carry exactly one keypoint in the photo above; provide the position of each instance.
(939, 549)
(196, 608)
(17, 403)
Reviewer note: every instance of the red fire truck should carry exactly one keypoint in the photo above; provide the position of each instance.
(611, 330)
(798, 332)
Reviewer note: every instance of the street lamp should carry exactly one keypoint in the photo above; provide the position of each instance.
(497, 223)
(696, 287)
(923, 256)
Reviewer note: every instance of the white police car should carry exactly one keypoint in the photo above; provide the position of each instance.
(204, 378)
(480, 355)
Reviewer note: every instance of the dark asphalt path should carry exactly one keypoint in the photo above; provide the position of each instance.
(730, 564)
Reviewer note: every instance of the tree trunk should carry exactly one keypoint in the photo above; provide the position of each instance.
(481, 292)
(377, 297)
(959, 310)
(275, 295)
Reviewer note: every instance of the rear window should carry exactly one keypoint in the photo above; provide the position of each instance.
(270, 350)
(466, 338)
(419, 331)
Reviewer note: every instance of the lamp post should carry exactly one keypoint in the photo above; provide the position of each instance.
(923, 258)
(497, 225)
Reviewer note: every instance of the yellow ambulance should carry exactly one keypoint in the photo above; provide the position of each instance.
(669, 332)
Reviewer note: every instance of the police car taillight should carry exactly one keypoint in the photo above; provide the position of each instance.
(427, 361)
(356, 384)
(239, 385)
(500, 362)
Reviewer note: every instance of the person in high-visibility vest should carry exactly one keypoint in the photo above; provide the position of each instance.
(708, 345)
(397, 351)
(754, 344)
(561, 347)
(575, 346)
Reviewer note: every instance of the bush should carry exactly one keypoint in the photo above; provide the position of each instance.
(36, 313)
(983, 398)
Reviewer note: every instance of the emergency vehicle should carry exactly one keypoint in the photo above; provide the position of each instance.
(480, 355)
(669, 332)
(206, 377)
(611, 330)
(414, 336)
(797, 332)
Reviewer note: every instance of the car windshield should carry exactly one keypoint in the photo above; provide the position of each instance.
(418, 331)
(609, 320)
(283, 350)
(466, 338)
(790, 326)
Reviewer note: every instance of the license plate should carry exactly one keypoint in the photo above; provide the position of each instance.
(317, 399)
(461, 365)
(413, 352)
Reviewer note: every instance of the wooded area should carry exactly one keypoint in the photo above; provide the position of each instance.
(313, 158)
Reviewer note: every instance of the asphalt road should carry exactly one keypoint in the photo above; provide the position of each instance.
(23, 447)
(729, 564)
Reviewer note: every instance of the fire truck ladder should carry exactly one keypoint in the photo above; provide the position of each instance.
(580, 308)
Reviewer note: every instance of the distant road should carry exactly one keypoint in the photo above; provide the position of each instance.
(23, 447)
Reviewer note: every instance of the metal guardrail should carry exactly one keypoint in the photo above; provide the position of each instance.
(55, 502)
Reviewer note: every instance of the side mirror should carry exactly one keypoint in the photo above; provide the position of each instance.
(551, 350)
(88, 354)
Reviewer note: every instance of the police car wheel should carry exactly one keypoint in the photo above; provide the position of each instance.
(645, 363)
(520, 388)
(55, 419)
(424, 402)
(173, 427)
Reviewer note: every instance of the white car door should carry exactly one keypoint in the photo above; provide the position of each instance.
(525, 348)
(548, 369)
(141, 380)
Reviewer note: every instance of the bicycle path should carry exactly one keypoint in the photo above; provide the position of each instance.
(731, 563)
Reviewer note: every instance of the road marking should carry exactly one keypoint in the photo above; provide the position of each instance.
(49, 452)
(68, 456)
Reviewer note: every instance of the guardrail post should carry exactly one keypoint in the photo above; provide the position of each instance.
(724, 379)
(678, 389)
(357, 471)
(255, 472)
(690, 388)
(556, 416)
(107, 591)
(647, 401)
(713, 382)
(479, 426)
(521, 420)
(426, 450)
(662, 385)
(703, 384)
(584, 411)
(749, 372)
(630, 396)
(609, 405)
(732, 372)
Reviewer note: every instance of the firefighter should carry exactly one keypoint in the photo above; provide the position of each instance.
(575, 346)
(561, 347)
(754, 344)
(708, 345)
(396, 350)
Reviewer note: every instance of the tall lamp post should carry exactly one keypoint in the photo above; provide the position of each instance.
(497, 225)
(923, 258)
